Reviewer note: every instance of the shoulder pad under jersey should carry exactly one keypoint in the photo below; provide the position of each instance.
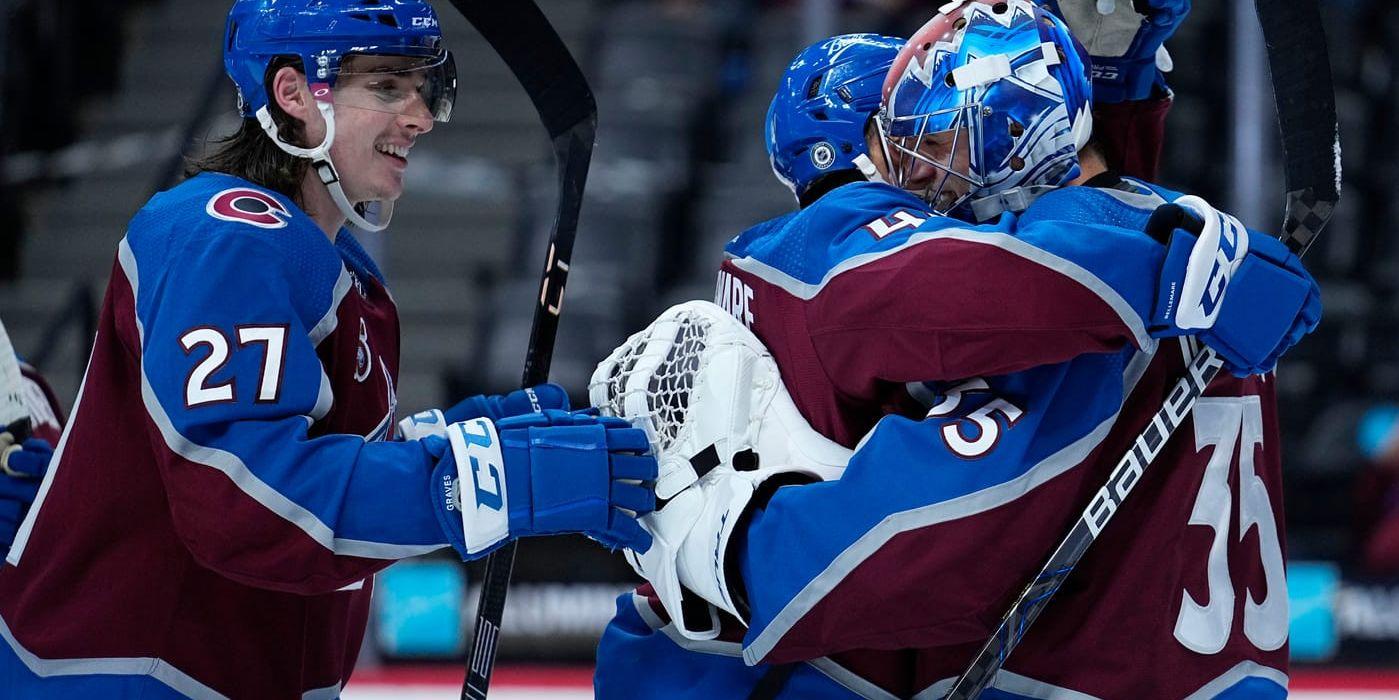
(214, 220)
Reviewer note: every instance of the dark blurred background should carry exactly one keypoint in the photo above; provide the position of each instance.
(99, 98)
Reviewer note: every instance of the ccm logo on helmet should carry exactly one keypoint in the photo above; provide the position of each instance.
(424, 23)
(249, 207)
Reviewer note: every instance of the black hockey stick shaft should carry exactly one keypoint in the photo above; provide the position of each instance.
(522, 36)
(1302, 88)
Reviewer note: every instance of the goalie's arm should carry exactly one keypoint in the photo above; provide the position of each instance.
(919, 542)
(1130, 134)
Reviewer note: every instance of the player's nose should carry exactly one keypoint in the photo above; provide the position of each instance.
(417, 116)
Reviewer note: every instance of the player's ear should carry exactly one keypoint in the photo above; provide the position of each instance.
(291, 94)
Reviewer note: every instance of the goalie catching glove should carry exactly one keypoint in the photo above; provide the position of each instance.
(542, 474)
(726, 433)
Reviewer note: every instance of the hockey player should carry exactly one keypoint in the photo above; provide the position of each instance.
(226, 486)
(883, 583)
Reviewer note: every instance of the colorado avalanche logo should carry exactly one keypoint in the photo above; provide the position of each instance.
(249, 207)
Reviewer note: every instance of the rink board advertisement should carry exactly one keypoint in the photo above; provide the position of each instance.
(421, 614)
(1340, 619)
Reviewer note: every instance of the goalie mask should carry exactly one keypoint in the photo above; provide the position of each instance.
(381, 55)
(985, 102)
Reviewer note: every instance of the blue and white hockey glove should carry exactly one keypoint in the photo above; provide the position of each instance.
(1247, 297)
(492, 406)
(516, 403)
(542, 474)
(1271, 291)
(1127, 46)
(22, 468)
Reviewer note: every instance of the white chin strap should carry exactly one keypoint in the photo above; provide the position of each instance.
(866, 167)
(320, 161)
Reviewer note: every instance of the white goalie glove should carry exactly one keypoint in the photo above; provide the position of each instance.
(711, 400)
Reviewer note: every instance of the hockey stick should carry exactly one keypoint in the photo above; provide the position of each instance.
(14, 415)
(1306, 105)
(523, 37)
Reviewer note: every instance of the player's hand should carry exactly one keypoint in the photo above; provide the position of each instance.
(1246, 296)
(27, 460)
(1272, 292)
(542, 474)
(22, 468)
(493, 406)
(1125, 39)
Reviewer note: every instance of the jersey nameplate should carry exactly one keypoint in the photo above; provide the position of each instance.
(735, 297)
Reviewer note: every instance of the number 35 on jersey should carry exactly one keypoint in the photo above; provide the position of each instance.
(972, 430)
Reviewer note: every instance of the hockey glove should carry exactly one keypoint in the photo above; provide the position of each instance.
(22, 468)
(494, 407)
(1272, 291)
(1246, 296)
(542, 474)
(1127, 47)
(726, 433)
(706, 390)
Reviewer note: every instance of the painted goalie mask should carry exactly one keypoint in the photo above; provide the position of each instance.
(988, 103)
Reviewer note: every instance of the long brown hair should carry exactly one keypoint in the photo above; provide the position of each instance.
(249, 153)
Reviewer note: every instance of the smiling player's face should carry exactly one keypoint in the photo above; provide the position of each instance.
(934, 171)
(379, 114)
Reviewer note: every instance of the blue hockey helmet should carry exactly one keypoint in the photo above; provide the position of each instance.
(323, 33)
(326, 36)
(986, 102)
(816, 123)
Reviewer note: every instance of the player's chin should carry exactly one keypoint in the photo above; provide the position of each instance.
(390, 194)
(390, 186)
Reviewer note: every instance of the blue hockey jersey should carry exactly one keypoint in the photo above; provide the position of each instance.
(223, 491)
